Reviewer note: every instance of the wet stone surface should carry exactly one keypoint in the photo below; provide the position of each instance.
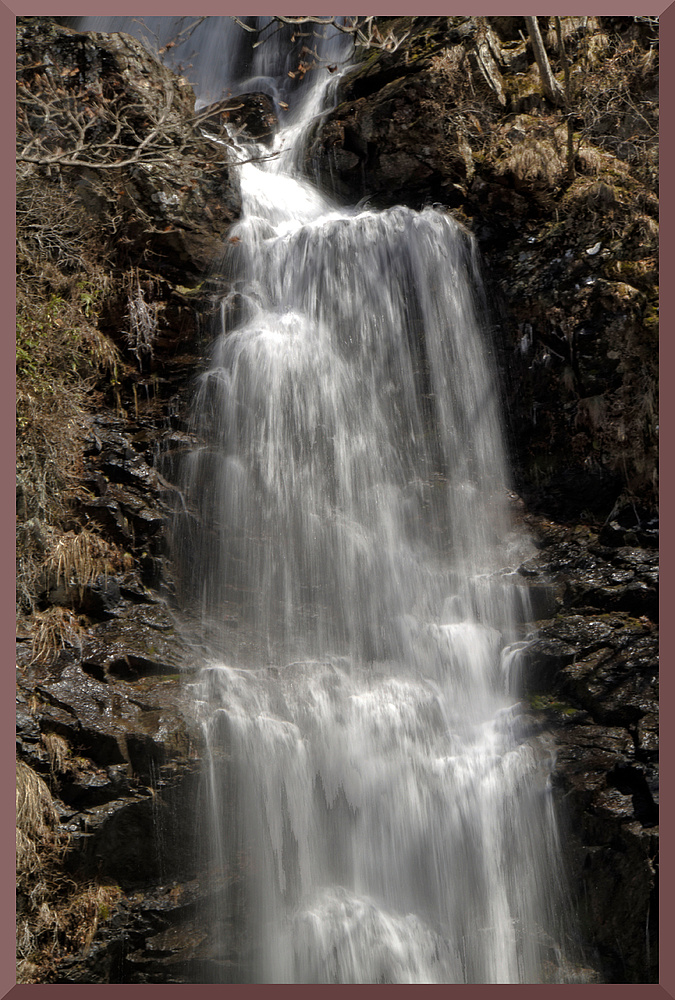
(590, 677)
(246, 116)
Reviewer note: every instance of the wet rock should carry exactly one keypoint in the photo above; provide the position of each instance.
(101, 596)
(618, 685)
(130, 500)
(606, 664)
(140, 642)
(27, 728)
(133, 841)
(249, 116)
(588, 575)
(158, 935)
(123, 768)
(114, 723)
(610, 842)
(591, 674)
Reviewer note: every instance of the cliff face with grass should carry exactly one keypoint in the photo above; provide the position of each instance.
(122, 203)
(562, 198)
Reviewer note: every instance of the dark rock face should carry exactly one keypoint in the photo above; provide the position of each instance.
(104, 724)
(591, 676)
(392, 136)
(101, 667)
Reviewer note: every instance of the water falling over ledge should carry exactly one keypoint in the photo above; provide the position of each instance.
(347, 537)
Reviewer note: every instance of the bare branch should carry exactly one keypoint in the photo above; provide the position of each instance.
(80, 127)
(364, 31)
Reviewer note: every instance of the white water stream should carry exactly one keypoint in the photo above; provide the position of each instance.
(351, 540)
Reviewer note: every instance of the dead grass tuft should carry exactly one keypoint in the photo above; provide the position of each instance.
(59, 752)
(85, 912)
(54, 630)
(36, 817)
(80, 558)
(453, 66)
(535, 160)
(55, 915)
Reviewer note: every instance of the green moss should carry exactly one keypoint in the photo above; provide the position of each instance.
(187, 291)
(651, 317)
(548, 703)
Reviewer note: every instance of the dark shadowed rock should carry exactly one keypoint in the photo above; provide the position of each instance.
(249, 116)
(591, 673)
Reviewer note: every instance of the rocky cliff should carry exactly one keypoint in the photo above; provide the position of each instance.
(122, 205)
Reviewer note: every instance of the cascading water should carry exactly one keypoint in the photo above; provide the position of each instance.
(346, 544)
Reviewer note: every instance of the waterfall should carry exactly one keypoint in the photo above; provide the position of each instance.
(379, 810)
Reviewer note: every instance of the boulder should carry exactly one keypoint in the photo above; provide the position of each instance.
(166, 194)
(249, 116)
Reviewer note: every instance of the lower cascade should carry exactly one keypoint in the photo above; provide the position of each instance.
(347, 543)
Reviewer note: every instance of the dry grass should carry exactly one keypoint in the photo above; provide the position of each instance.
(573, 30)
(54, 630)
(38, 844)
(453, 66)
(85, 911)
(103, 354)
(535, 160)
(36, 817)
(73, 560)
(644, 230)
(60, 355)
(591, 161)
(597, 46)
(616, 99)
(63, 923)
(602, 197)
(80, 558)
(59, 752)
(56, 916)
